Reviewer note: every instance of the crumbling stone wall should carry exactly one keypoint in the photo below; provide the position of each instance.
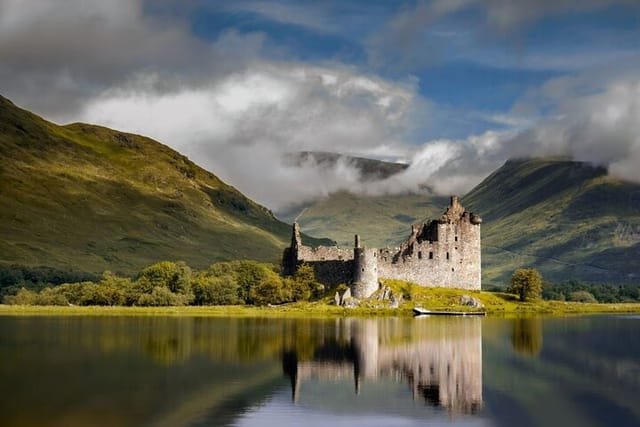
(331, 265)
(439, 253)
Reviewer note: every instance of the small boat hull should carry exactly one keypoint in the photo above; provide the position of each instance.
(422, 312)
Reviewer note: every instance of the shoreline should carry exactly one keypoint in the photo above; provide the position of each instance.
(320, 310)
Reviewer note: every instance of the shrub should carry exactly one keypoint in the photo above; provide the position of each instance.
(211, 290)
(582, 296)
(271, 290)
(161, 296)
(175, 277)
(22, 297)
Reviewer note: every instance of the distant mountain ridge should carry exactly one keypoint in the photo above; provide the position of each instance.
(89, 198)
(370, 169)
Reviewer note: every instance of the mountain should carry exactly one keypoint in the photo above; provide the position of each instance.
(568, 219)
(370, 169)
(89, 198)
(380, 221)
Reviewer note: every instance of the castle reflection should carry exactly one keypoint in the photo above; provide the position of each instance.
(439, 359)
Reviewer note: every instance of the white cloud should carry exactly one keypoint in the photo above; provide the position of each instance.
(239, 126)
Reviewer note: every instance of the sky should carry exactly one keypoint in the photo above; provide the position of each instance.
(452, 87)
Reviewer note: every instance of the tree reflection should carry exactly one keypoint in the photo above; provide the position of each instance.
(526, 336)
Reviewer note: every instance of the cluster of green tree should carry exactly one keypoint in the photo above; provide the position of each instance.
(528, 285)
(575, 290)
(169, 283)
(15, 276)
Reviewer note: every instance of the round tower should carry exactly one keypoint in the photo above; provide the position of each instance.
(365, 271)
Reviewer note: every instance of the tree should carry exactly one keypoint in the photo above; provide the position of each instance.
(272, 290)
(176, 277)
(212, 290)
(526, 283)
(304, 284)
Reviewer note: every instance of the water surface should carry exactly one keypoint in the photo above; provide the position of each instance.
(185, 371)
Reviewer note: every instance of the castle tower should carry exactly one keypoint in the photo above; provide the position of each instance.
(365, 271)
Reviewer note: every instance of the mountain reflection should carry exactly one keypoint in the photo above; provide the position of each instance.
(439, 359)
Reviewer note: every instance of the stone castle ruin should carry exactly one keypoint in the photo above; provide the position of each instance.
(443, 253)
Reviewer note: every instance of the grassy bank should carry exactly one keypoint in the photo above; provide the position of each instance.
(495, 304)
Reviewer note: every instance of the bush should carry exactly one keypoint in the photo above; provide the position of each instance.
(175, 277)
(271, 290)
(22, 297)
(161, 296)
(582, 296)
(211, 290)
(49, 296)
(304, 284)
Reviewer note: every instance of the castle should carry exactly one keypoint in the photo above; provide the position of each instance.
(441, 253)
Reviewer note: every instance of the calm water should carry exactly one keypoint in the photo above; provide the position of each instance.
(172, 371)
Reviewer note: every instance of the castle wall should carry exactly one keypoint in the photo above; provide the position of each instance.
(332, 273)
(331, 265)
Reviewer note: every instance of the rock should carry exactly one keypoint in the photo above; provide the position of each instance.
(470, 301)
(350, 302)
(345, 296)
(395, 302)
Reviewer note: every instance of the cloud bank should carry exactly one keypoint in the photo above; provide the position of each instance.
(237, 105)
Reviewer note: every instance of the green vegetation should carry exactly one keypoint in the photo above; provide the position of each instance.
(527, 284)
(575, 290)
(380, 221)
(90, 199)
(175, 284)
(242, 287)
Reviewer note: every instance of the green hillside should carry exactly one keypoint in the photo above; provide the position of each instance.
(568, 219)
(380, 221)
(89, 198)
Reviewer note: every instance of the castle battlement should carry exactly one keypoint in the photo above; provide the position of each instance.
(438, 253)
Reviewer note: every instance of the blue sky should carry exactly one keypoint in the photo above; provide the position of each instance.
(455, 87)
